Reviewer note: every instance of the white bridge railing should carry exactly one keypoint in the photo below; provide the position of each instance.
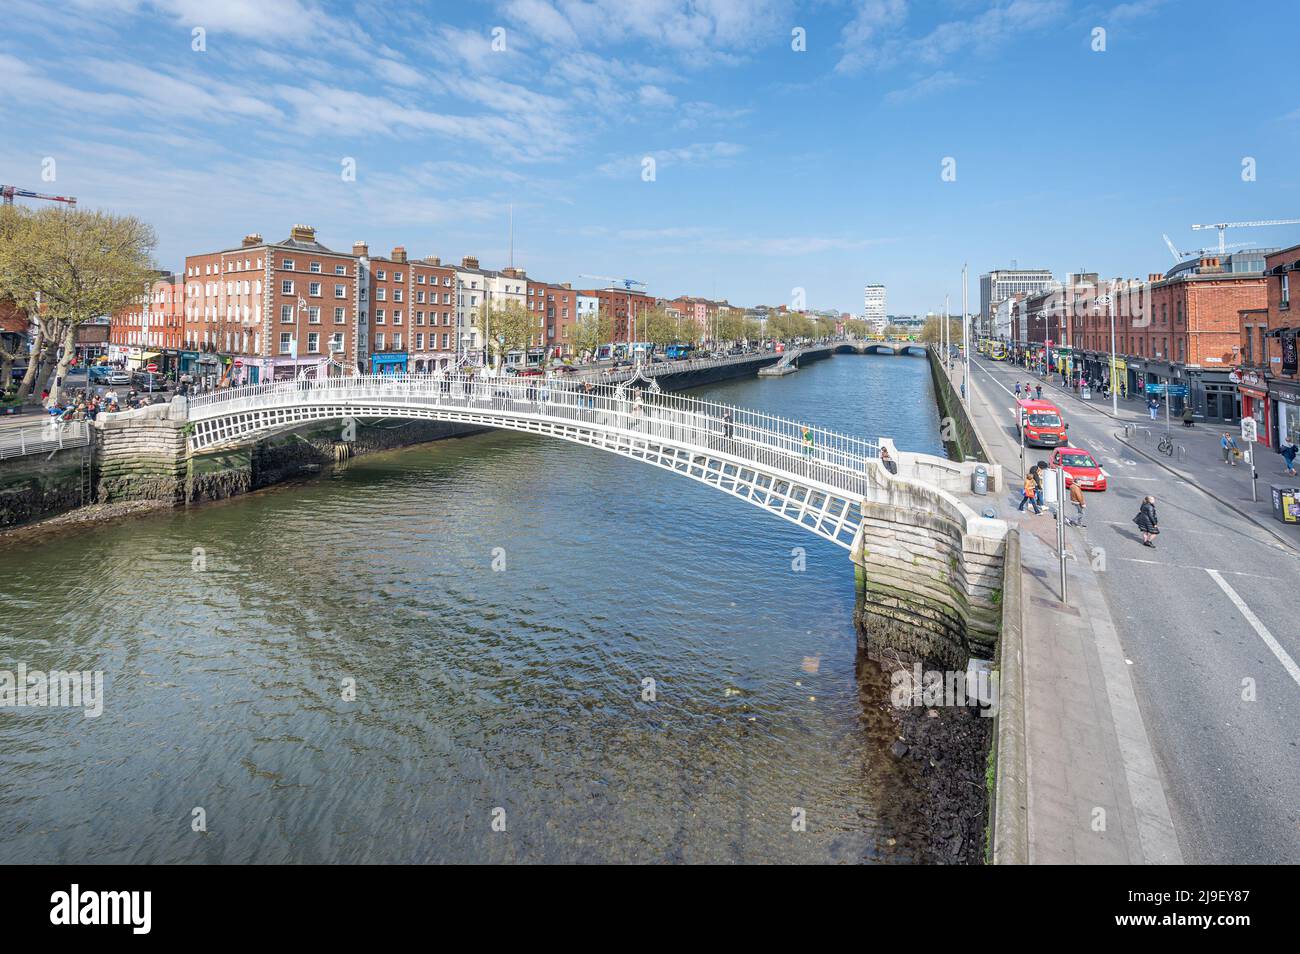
(771, 442)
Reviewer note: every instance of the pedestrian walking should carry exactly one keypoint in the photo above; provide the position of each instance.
(1289, 452)
(1038, 391)
(1147, 522)
(1076, 498)
(1028, 491)
(1229, 446)
(1188, 415)
(1037, 472)
(726, 424)
(1153, 408)
(807, 437)
(1017, 390)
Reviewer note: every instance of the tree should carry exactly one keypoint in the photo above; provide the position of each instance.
(730, 324)
(67, 266)
(506, 328)
(932, 330)
(592, 331)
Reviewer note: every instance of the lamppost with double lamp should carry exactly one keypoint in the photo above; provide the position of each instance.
(1109, 302)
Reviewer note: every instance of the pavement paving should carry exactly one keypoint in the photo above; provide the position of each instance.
(1203, 627)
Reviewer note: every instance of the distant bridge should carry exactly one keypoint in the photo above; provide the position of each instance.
(881, 346)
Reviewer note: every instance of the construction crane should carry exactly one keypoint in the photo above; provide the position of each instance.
(1222, 226)
(1191, 253)
(9, 192)
(627, 283)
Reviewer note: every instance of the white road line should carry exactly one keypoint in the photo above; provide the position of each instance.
(1186, 566)
(1287, 662)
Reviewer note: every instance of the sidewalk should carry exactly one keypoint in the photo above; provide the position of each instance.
(1197, 456)
(1094, 792)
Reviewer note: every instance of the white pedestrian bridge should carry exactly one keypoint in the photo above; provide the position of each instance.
(931, 566)
(808, 475)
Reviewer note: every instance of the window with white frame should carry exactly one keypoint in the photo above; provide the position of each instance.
(340, 315)
(314, 289)
(286, 286)
(285, 338)
(313, 342)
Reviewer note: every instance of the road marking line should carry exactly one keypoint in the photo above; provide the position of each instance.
(1287, 662)
(1186, 566)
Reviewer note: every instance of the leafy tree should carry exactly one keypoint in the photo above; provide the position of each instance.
(592, 331)
(65, 267)
(506, 328)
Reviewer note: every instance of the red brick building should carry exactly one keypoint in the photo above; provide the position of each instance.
(1183, 328)
(625, 308)
(555, 308)
(152, 328)
(408, 312)
(272, 311)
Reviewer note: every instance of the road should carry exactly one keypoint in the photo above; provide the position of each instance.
(1208, 622)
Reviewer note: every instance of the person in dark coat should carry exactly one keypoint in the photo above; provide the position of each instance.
(1147, 522)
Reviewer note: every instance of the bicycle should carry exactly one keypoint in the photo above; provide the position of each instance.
(1166, 446)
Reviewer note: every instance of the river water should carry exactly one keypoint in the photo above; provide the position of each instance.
(498, 602)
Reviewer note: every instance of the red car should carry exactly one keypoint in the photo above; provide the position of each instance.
(1081, 466)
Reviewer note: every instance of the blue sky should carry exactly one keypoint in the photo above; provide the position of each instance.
(775, 169)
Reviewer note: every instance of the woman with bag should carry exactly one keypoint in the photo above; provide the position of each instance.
(1147, 521)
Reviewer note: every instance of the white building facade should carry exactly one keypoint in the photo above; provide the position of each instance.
(873, 308)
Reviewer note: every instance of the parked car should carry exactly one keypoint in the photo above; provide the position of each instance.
(1079, 465)
(103, 374)
(146, 380)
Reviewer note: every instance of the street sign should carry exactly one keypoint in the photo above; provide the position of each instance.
(151, 368)
(1175, 390)
(1249, 430)
(238, 363)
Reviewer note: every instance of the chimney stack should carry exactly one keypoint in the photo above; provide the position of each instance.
(432, 260)
(399, 254)
(1154, 277)
(302, 233)
(251, 239)
(469, 261)
(360, 249)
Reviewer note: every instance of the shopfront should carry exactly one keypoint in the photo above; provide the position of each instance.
(1255, 404)
(388, 362)
(1285, 400)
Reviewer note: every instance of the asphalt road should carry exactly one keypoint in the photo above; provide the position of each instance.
(1207, 620)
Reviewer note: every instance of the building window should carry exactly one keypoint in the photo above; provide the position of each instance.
(314, 289)
(397, 316)
(340, 270)
(340, 291)
(286, 314)
(313, 343)
(315, 267)
(379, 341)
(381, 294)
(1286, 291)
(379, 316)
(285, 338)
(313, 315)
(287, 264)
(397, 342)
(336, 342)
(286, 286)
(340, 315)
(380, 274)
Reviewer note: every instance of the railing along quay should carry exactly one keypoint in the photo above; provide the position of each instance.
(44, 438)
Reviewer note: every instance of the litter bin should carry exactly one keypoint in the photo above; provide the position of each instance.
(980, 480)
(1286, 503)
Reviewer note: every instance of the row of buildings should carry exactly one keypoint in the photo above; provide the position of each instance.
(266, 311)
(1215, 332)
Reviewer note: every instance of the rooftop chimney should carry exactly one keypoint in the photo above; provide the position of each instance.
(302, 233)
(360, 249)
(432, 260)
(1154, 276)
(469, 261)
(399, 254)
(251, 239)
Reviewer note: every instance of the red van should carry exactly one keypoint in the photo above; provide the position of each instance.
(1042, 424)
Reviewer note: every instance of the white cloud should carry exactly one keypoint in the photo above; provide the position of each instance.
(700, 153)
(931, 85)
(656, 97)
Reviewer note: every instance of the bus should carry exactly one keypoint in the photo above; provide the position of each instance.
(998, 351)
(676, 352)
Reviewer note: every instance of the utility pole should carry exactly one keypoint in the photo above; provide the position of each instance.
(945, 336)
(1060, 524)
(965, 338)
